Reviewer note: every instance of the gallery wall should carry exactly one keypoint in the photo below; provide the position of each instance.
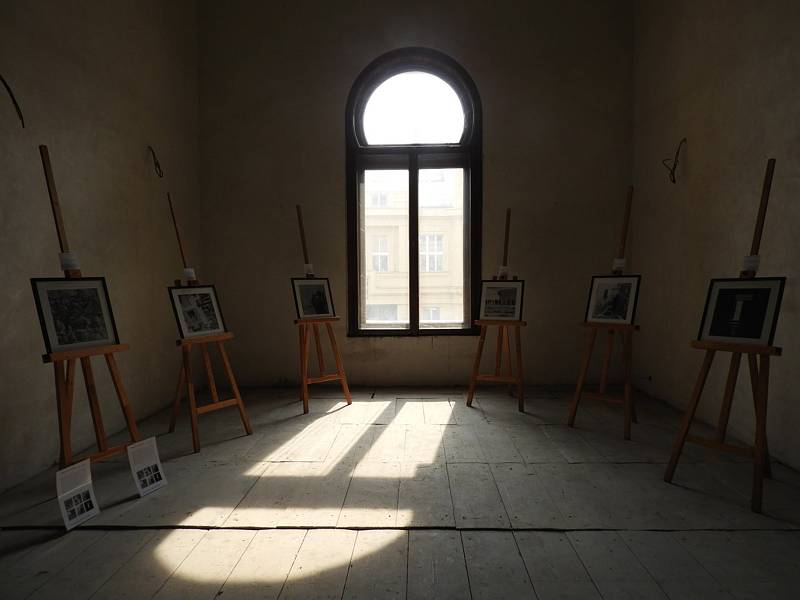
(97, 82)
(555, 80)
(723, 75)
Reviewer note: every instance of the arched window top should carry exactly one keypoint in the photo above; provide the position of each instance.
(413, 108)
(413, 97)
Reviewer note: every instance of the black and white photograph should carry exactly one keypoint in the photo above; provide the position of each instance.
(612, 299)
(74, 313)
(742, 311)
(146, 466)
(312, 297)
(197, 310)
(501, 300)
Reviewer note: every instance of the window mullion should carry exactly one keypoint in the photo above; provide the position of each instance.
(413, 243)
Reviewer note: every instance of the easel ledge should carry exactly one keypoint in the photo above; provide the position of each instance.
(83, 353)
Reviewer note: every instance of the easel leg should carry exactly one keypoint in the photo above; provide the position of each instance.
(176, 404)
(318, 344)
(509, 369)
(689, 415)
(64, 387)
(607, 362)
(587, 357)
(94, 405)
(339, 365)
(473, 380)
(226, 364)
(304, 367)
(727, 399)
(520, 383)
(122, 396)
(187, 371)
(498, 355)
(753, 364)
(760, 454)
(627, 351)
(212, 384)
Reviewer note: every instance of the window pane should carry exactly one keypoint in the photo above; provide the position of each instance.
(383, 263)
(441, 248)
(413, 108)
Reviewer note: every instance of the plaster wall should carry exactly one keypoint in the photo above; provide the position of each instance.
(98, 82)
(555, 80)
(723, 74)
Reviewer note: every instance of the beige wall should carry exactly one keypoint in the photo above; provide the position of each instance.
(555, 80)
(724, 74)
(97, 82)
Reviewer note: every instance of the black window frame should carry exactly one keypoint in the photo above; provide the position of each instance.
(466, 154)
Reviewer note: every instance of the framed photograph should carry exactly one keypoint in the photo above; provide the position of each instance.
(742, 311)
(501, 300)
(612, 299)
(312, 297)
(74, 313)
(196, 310)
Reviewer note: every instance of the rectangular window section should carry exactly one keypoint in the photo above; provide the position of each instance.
(442, 282)
(383, 232)
(380, 255)
(431, 253)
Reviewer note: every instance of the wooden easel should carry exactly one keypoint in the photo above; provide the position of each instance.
(512, 377)
(64, 362)
(185, 381)
(758, 359)
(625, 333)
(312, 325)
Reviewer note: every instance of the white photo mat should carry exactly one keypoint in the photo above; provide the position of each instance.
(775, 287)
(613, 299)
(501, 300)
(312, 297)
(197, 310)
(46, 291)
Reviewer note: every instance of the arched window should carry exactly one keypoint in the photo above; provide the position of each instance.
(413, 134)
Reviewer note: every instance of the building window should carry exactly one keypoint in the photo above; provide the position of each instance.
(380, 256)
(431, 253)
(431, 314)
(413, 134)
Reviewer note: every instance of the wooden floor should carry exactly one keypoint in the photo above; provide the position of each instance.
(410, 494)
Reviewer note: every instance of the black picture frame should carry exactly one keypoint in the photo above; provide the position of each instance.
(597, 278)
(509, 283)
(196, 288)
(329, 296)
(770, 324)
(39, 284)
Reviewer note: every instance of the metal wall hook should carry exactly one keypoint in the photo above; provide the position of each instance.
(14, 100)
(156, 164)
(672, 165)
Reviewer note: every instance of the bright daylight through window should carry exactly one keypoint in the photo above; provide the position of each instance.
(414, 151)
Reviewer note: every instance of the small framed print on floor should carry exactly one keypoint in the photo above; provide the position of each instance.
(742, 311)
(501, 300)
(312, 297)
(74, 313)
(196, 310)
(612, 299)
